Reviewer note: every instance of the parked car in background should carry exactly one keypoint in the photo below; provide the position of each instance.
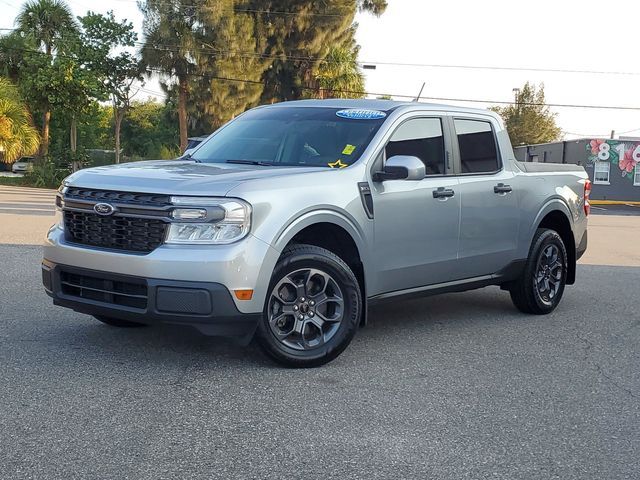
(289, 220)
(24, 165)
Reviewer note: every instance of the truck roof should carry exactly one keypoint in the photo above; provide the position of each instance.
(374, 104)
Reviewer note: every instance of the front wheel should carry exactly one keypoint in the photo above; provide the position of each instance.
(541, 285)
(312, 308)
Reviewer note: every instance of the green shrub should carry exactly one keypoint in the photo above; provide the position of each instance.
(46, 174)
(168, 153)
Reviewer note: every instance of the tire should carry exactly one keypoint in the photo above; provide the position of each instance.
(312, 309)
(541, 285)
(116, 322)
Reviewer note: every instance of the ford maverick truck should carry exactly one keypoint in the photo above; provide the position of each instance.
(287, 222)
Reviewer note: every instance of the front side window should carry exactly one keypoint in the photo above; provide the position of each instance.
(293, 136)
(477, 143)
(422, 138)
(601, 172)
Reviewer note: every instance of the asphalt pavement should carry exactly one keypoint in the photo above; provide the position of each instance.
(460, 386)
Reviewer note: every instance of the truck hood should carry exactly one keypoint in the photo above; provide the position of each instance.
(177, 177)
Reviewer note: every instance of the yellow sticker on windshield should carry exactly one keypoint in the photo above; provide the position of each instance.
(338, 164)
(348, 150)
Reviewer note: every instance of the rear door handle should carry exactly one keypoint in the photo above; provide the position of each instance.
(502, 188)
(442, 192)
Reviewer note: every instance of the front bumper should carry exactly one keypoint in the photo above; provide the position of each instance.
(207, 306)
(247, 264)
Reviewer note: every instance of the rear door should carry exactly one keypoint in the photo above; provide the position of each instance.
(489, 215)
(416, 221)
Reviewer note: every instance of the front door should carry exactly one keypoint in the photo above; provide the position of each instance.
(416, 221)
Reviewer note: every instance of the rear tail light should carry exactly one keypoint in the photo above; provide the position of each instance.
(587, 195)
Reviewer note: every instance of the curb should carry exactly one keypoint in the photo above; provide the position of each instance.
(614, 202)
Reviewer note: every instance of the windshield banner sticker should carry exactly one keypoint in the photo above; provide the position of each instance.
(361, 114)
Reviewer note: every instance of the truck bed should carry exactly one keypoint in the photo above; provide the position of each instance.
(534, 167)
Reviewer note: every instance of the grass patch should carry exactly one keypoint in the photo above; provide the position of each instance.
(15, 181)
(24, 182)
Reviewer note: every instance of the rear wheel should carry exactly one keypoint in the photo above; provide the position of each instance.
(116, 322)
(312, 309)
(541, 285)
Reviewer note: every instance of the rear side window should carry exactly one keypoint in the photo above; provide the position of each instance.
(478, 151)
(422, 138)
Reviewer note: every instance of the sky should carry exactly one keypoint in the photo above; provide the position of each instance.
(525, 39)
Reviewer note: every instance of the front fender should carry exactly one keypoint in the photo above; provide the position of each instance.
(312, 217)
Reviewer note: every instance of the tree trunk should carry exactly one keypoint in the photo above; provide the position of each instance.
(44, 145)
(73, 142)
(46, 118)
(73, 134)
(119, 113)
(182, 113)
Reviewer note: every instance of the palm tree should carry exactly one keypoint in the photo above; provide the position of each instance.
(171, 46)
(17, 136)
(339, 76)
(48, 23)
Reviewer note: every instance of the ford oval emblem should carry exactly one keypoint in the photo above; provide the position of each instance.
(104, 209)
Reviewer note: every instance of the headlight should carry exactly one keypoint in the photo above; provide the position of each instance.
(58, 217)
(230, 220)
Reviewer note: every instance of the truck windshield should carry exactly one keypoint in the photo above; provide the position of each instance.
(294, 136)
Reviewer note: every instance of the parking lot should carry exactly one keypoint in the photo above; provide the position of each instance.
(455, 386)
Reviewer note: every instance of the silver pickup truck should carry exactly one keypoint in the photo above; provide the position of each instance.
(286, 223)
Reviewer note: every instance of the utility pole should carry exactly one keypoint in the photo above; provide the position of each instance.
(516, 92)
(516, 100)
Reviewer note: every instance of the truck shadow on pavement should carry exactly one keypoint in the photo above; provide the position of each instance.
(389, 324)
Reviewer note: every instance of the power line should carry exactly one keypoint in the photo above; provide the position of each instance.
(249, 10)
(218, 52)
(628, 131)
(584, 135)
(213, 52)
(604, 135)
(353, 92)
(446, 99)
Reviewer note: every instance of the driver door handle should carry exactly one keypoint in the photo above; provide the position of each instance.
(502, 188)
(442, 192)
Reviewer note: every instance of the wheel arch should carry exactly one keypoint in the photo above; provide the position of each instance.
(336, 233)
(558, 218)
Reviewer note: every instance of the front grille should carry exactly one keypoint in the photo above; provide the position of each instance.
(77, 193)
(121, 233)
(116, 292)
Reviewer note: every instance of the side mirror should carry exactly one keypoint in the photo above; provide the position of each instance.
(401, 167)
